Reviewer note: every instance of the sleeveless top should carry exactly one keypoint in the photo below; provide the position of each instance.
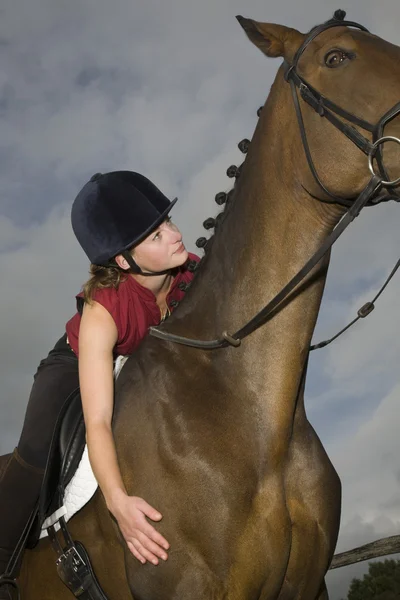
(133, 308)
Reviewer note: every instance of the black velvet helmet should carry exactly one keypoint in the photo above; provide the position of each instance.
(116, 211)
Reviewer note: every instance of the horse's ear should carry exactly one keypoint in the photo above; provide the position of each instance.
(273, 40)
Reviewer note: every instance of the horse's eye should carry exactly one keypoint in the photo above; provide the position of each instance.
(335, 58)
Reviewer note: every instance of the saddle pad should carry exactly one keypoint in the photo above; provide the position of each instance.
(83, 484)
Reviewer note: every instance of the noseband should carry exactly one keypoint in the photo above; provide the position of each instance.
(371, 195)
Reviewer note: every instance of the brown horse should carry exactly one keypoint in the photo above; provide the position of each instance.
(219, 440)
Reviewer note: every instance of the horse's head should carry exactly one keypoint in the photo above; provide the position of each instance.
(357, 72)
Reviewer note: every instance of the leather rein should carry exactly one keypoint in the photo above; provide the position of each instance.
(371, 195)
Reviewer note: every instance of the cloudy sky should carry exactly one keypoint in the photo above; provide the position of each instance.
(169, 88)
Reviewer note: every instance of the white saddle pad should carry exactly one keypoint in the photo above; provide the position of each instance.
(82, 485)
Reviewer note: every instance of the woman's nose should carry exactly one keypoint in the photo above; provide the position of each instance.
(176, 237)
(174, 232)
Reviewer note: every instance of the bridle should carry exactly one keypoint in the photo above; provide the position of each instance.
(328, 109)
(370, 195)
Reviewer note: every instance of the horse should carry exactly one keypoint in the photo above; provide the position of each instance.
(218, 439)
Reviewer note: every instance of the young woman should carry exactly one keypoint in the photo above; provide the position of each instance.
(138, 267)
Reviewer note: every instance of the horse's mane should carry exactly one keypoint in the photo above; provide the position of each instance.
(224, 199)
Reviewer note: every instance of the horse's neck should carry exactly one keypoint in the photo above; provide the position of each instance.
(269, 233)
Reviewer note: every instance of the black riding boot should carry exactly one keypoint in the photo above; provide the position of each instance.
(19, 491)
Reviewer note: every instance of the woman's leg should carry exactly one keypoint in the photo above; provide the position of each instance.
(19, 489)
(56, 378)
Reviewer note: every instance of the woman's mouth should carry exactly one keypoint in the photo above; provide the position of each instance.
(180, 248)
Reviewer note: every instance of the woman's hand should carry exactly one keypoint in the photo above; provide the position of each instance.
(145, 543)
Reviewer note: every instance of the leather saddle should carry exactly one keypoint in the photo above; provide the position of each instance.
(67, 445)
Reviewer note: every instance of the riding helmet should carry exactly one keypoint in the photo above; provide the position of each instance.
(115, 211)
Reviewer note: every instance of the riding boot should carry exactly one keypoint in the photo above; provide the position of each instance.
(20, 485)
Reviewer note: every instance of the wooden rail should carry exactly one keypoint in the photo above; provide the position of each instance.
(383, 547)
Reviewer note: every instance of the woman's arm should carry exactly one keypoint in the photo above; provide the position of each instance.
(97, 338)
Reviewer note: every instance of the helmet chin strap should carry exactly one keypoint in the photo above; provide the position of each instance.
(137, 270)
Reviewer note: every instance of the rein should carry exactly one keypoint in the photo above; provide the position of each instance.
(369, 196)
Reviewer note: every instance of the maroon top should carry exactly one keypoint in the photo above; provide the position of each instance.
(133, 308)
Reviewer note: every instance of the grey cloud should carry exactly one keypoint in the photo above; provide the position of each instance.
(87, 75)
(391, 504)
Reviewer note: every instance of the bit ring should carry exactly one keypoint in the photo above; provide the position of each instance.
(371, 154)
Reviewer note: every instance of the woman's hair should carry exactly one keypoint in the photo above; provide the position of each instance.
(102, 277)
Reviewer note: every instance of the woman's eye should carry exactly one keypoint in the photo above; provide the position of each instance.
(335, 58)
(157, 235)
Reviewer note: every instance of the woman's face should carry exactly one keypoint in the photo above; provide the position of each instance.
(162, 249)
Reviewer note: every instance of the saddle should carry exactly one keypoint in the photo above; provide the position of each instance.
(66, 450)
(67, 445)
